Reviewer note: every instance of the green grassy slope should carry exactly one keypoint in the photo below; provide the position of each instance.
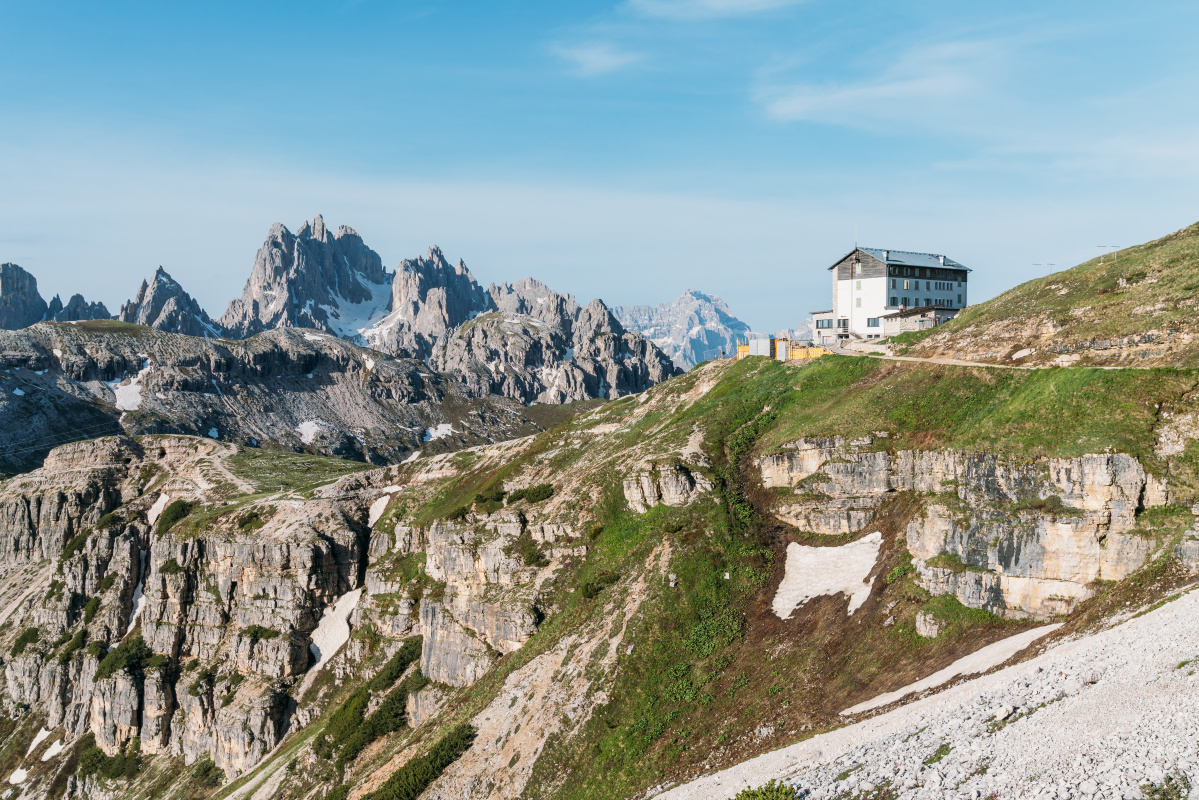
(713, 677)
(1149, 291)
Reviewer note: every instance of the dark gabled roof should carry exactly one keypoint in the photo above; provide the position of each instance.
(829, 311)
(905, 258)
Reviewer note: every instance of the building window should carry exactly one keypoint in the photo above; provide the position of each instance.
(857, 268)
(892, 283)
(871, 322)
(859, 286)
(905, 301)
(927, 286)
(824, 323)
(894, 300)
(843, 323)
(928, 301)
(859, 305)
(959, 299)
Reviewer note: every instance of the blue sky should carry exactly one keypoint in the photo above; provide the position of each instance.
(627, 150)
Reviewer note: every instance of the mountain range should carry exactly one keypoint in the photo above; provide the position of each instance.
(520, 340)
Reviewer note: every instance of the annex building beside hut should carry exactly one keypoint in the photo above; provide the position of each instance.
(870, 285)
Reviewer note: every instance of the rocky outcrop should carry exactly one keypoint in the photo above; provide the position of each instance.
(1012, 536)
(429, 298)
(163, 304)
(20, 303)
(566, 354)
(666, 484)
(76, 310)
(696, 327)
(286, 387)
(313, 279)
(115, 706)
(451, 654)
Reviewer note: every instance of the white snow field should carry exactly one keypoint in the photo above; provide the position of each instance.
(42, 735)
(815, 571)
(155, 510)
(54, 749)
(1092, 717)
(377, 509)
(333, 630)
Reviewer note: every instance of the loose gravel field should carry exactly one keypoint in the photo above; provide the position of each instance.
(1100, 716)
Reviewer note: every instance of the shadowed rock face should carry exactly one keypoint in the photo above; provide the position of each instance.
(312, 279)
(540, 346)
(20, 303)
(696, 327)
(287, 387)
(76, 309)
(429, 298)
(163, 304)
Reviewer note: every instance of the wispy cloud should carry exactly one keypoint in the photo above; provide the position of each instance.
(596, 58)
(924, 82)
(705, 9)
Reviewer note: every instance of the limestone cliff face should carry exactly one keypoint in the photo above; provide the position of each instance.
(163, 304)
(1022, 538)
(311, 279)
(20, 303)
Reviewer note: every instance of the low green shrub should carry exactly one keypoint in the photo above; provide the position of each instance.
(592, 588)
(131, 656)
(529, 551)
(771, 791)
(414, 777)
(171, 567)
(408, 653)
(174, 512)
(123, 766)
(533, 494)
(76, 644)
(107, 521)
(251, 522)
(207, 774)
(342, 724)
(257, 633)
(24, 639)
(108, 581)
(89, 610)
(75, 545)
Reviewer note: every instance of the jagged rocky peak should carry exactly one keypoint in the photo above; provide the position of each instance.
(312, 279)
(163, 304)
(533, 298)
(542, 347)
(76, 309)
(20, 303)
(696, 327)
(429, 298)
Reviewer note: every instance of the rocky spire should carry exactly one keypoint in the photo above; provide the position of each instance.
(311, 280)
(163, 304)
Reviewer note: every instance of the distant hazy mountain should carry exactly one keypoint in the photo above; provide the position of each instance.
(694, 328)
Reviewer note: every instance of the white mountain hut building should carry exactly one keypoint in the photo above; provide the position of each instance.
(871, 285)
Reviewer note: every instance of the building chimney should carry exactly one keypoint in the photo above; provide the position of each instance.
(886, 255)
(942, 260)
